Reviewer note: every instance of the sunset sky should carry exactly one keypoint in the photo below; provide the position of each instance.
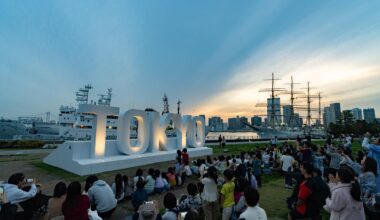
(213, 55)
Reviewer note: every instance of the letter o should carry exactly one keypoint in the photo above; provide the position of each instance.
(123, 138)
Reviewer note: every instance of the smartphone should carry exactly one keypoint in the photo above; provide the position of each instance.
(149, 202)
(29, 180)
(1, 190)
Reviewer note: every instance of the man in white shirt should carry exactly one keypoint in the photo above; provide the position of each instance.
(28, 197)
(287, 166)
(253, 211)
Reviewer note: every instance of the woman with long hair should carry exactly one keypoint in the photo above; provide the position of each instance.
(367, 179)
(210, 194)
(76, 205)
(118, 188)
(345, 200)
(54, 208)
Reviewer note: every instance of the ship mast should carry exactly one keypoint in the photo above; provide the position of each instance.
(82, 94)
(166, 104)
(292, 93)
(272, 117)
(319, 109)
(179, 106)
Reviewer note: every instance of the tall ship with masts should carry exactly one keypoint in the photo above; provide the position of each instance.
(290, 122)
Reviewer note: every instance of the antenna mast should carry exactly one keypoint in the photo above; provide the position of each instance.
(82, 94)
(166, 104)
(179, 106)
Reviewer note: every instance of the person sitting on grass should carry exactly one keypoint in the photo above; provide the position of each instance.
(8, 211)
(137, 177)
(101, 197)
(160, 184)
(76, 205)
(118, 188)
(170, 203)
(128, 187)
(28, 195)
(253, 211)
(191, 201)
(150, 182)
(227, 194)
(139, 196)
(54, 208)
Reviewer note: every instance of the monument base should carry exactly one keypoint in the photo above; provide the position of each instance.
(73, 156)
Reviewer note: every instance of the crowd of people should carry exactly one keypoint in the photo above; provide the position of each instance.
(224, 187)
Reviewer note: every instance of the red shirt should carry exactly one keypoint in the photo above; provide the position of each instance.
(79, 211)
(303, 195)
(185, 157)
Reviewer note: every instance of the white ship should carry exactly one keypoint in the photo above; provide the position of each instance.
(78, 126)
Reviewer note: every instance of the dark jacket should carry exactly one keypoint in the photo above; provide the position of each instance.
(138, 198)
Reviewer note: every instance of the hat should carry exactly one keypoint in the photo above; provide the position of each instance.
(147, 211)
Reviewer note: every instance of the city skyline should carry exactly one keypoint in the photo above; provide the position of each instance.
(212, 56)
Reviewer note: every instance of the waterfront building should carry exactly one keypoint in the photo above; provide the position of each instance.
(369, 115)
(256, 121)
(236, 123)
(287, 114)
(357, 112)
(326, 117)
(215, 123)
(335, 112)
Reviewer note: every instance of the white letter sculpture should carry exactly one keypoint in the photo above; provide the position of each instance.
(151, 145)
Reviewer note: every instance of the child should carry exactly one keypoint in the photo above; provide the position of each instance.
(139, 176)
(171, 177)
(159, 185)
(227, 194)
(252, 198)
(150, 182)
(139, 196)
(128, 187)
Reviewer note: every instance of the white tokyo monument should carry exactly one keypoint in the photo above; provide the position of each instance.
(151, 145)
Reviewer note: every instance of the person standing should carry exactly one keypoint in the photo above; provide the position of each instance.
(287, 162)
(220, 140)
(253, 211)
(210, 194)
(345, 200)
(227, 194)
(374, 152)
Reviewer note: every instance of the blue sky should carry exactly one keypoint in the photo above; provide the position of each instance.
(213, 55)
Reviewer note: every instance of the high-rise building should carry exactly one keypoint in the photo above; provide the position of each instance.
(335, 112)
(215, 124)
(326, 117)
(234, 123)
(357, 112)
(243, 121)
(256, 121)
(287, 114)
(274, 111)
(369, 115)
